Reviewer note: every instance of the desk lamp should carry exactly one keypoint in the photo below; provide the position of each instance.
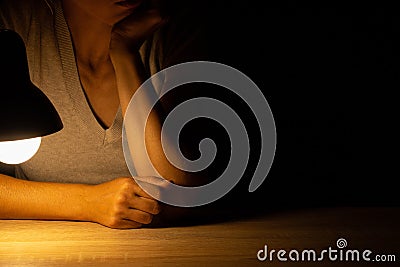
(26, 114)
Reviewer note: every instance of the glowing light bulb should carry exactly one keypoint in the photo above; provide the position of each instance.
(16, 152)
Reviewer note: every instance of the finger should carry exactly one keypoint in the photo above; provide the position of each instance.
(154, 180)
(123, 224)
(128, 224)
(145, 204)
(138, 191)
(139, 216)
(153, 186)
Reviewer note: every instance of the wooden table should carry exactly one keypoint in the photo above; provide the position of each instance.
(229, 243)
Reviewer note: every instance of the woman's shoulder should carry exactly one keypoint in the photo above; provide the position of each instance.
(12, 12)
(19, 15)
(184, 37)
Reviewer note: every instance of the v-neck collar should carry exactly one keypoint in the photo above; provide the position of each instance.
(73, 83)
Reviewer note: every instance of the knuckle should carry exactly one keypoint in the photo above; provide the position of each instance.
(124, 179)
(113, 222)
(139, 191)
(135, 187)
(127, 187)
(121, 199)
(127, 183)
(118, 211)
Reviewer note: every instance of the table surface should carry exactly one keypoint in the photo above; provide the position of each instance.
(227, 243)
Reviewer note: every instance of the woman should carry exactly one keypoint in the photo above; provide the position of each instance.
(89, 57)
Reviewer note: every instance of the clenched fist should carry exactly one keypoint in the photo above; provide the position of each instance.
(121, 204)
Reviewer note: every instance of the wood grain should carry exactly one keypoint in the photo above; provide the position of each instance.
(230, 243)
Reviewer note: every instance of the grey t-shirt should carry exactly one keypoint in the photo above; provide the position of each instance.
(82, 152)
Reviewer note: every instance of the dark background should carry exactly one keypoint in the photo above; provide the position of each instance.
(323, 72)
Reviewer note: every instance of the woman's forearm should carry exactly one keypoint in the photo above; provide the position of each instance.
(20, 199)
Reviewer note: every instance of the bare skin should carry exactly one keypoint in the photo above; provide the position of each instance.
(114, 63)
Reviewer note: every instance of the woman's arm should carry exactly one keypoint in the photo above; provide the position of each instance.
(120, 203)
(130, 75)
(20, 199)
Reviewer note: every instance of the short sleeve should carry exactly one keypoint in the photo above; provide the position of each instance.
(16, 15)
(7, 169)
(182, 39)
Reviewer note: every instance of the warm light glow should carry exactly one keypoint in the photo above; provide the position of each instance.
(16, 152)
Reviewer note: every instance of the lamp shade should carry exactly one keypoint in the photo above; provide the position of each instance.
(25, 111)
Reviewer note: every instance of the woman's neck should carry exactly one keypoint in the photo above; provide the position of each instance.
(90, 36)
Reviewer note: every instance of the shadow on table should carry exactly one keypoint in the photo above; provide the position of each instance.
(235, 209)
(212, 214)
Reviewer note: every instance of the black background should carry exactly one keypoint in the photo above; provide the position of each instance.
(324, 72)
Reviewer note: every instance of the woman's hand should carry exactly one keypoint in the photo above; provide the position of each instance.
(130, 33)
(121, 204)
